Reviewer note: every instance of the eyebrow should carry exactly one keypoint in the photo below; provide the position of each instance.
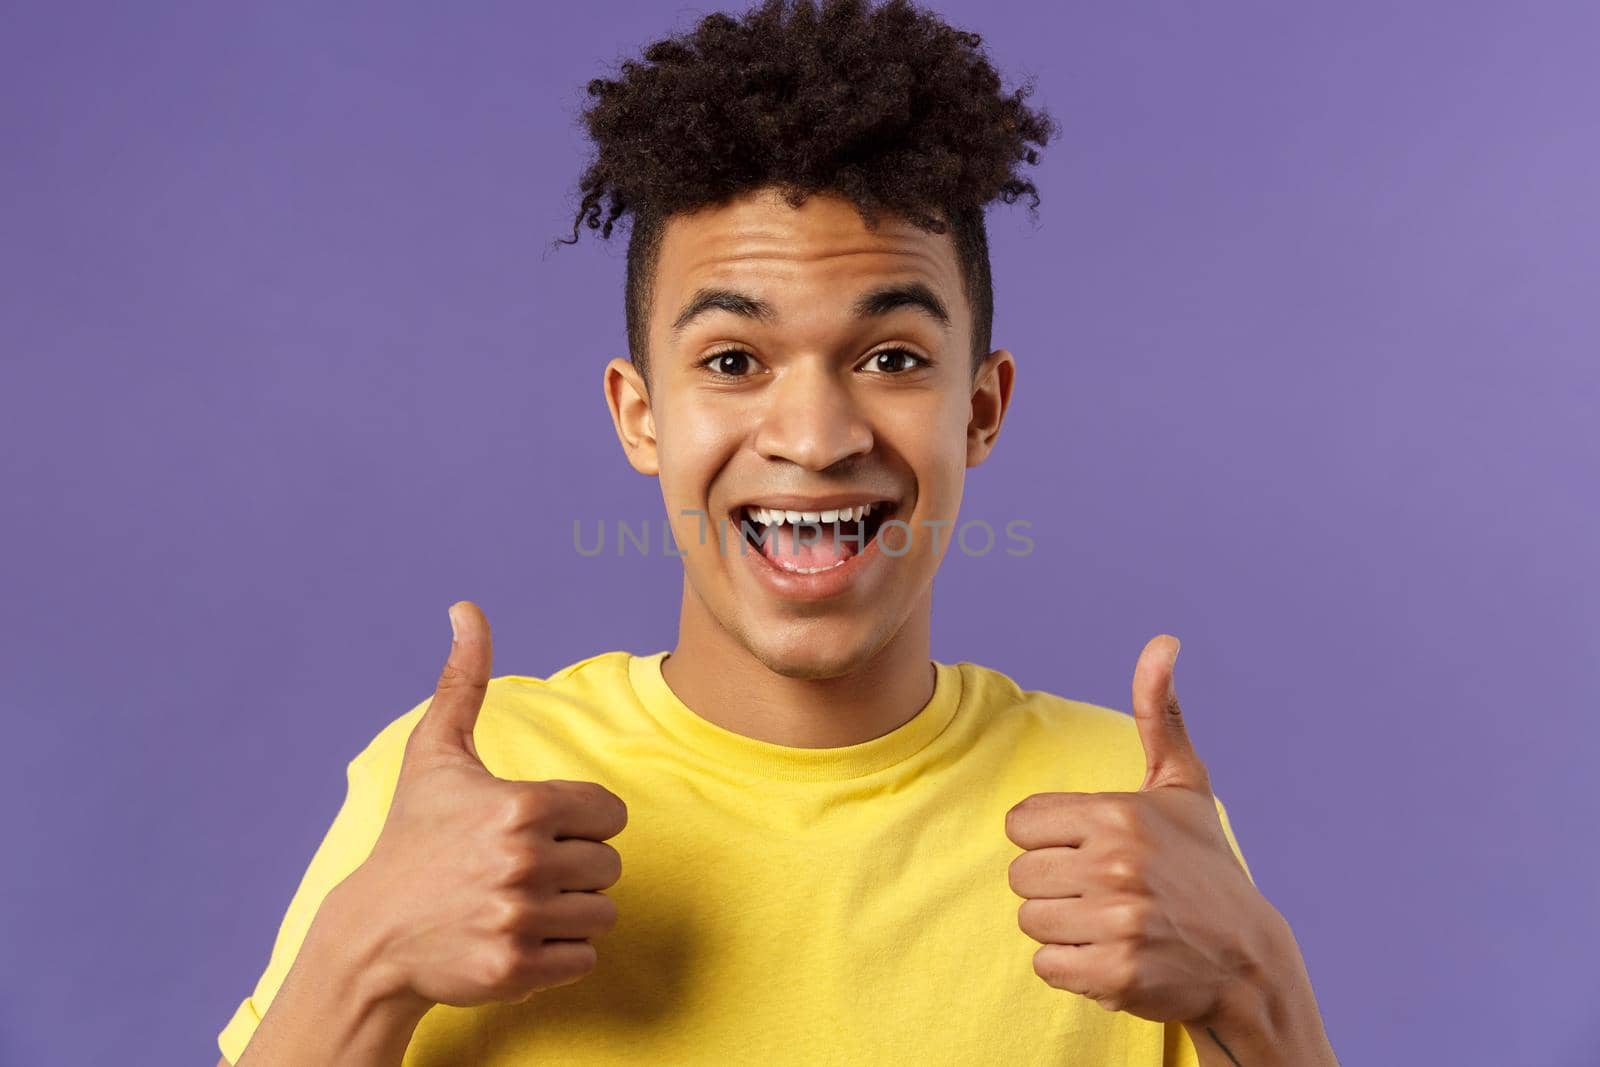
(874, 304)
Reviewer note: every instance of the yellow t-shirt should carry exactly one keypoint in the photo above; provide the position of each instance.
(777, 905)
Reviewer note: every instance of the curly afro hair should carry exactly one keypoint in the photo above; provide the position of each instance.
(889, 107)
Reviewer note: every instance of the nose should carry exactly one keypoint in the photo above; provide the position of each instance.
(812, 419)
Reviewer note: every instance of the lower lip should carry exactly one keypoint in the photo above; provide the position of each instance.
(818, 585)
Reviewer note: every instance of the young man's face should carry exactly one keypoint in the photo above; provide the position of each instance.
(809, 406)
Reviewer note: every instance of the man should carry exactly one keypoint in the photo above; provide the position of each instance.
(836, 849)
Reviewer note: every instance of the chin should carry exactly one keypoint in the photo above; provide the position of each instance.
(807, 654)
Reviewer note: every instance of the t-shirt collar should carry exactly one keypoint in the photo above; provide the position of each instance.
(735, 751)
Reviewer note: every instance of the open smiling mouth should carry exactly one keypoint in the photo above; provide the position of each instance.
(810, 542)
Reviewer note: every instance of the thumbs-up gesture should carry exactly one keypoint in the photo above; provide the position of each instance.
(481, 889)
(1137, 898)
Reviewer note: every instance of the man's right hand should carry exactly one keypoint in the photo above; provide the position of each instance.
(480, 889)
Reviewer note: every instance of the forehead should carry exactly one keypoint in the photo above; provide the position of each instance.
(812, 259)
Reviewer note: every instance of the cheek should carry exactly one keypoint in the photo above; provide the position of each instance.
(694, 529)
(932, 441)
(694, 445)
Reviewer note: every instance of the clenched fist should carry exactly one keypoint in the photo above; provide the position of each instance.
(483, 889)
(1137, 898)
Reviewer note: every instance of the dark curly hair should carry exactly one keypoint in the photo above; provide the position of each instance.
(888, 106)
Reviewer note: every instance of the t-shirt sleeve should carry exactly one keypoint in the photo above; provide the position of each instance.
(1227, 831)
(370, 781)
(1180, 1050)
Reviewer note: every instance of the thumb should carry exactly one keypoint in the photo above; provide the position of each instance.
(446, 726)
(1169, 755)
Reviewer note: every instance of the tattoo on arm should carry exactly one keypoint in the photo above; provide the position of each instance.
(1225, 1050)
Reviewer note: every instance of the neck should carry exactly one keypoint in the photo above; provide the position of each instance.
(723, 682)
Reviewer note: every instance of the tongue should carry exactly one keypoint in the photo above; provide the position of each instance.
(786, 547)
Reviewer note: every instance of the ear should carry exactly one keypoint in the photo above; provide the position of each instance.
(629, 400)
(991, 396)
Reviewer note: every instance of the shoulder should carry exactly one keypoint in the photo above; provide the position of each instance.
(1065, 744)
(999, 695)
(515, 706)
(1097, 746)
(602, 670)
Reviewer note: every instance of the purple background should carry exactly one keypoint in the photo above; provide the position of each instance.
(1307, 376)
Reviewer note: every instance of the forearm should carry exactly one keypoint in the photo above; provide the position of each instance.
(1271, 1020)
(336, 1005)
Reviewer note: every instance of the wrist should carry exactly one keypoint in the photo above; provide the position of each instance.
(341, 1002)
(1268, 1014)
(353, 950)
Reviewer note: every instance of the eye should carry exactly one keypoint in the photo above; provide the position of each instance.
(895, 361)
(728, 363)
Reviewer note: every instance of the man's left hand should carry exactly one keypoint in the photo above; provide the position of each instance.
(1137, 899)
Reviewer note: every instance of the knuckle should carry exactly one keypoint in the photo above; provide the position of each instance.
(584, 958)
(526, 809)
(608, 914)
(564, 962)
(1017, 873)
(620, 811)
(1113, 994)
(513, 913)
(1122, 871)
(612, 867)
(1029, 919)
(1025, 918)
(589, 958)
(596, 798)
(454, 679)
(1017, 817)
(500, 965)
(1124, 975)
(522, 864)
(1045, 965)
(1133, 921)
(1126, 988)
(1121, 813)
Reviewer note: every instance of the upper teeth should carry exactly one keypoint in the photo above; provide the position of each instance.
(774, 516)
